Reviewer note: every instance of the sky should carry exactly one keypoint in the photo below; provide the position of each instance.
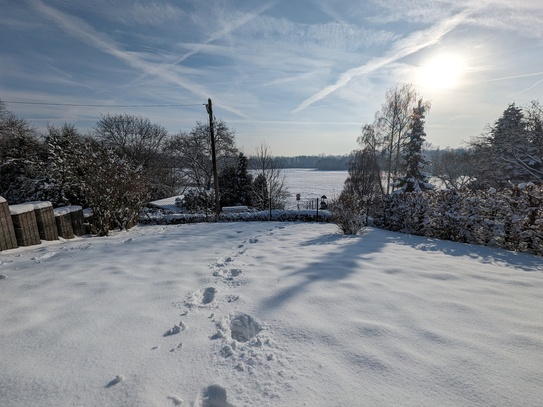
(302, 76)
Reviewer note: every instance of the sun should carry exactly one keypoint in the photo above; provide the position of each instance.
(441, 72)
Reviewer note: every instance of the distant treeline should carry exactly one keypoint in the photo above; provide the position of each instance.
(320, 162)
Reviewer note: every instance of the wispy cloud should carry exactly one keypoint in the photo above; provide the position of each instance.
(84, 32)
(334, 35)
(407, 46)
(229, 25)
(149, 13)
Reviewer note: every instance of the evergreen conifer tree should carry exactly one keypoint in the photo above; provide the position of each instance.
(244, 181)
(261, 195)
(415, 179)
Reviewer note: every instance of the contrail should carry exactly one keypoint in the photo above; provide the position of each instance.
(515, 76)
(407, 46)
(80, 29)
(229, 28)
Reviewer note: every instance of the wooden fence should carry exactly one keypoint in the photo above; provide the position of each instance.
(29, 223)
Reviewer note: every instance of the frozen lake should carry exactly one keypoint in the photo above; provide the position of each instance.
(309, 183)
(312, 184)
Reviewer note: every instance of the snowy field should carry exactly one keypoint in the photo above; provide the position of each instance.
(269, 314)
(312, 184)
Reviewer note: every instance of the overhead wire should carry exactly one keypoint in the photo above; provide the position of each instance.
(98, 105)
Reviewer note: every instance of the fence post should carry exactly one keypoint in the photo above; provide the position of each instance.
(8, 240)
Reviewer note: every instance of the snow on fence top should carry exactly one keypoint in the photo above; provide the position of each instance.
(21, 208)
(63, 210)
(40, 204)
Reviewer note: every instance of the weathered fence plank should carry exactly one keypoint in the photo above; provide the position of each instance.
(45, 218)
(25, 224)
(63, 220)
(8, 240)
(76, 215)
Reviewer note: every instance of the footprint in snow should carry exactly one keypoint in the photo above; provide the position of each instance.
(2, 276)
(43, 256)
(223, 262)
(204, 297)
(178, 347)
(215, 396)
(175, 329)
(117, 380)
(209, 295)
(240, 327)
(243, 328)
(253, 240)
(176, 400)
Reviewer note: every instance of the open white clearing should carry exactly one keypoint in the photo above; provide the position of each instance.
(278, 314)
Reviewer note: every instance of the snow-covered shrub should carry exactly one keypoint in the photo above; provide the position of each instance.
(65, 162)
(143, 144)
(277, 215)
(22, 157)
(199, 201)
(509, 218)
(347, 213)
(113, 188)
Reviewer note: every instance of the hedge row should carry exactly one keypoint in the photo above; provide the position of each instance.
(510, 218)
(158, 218)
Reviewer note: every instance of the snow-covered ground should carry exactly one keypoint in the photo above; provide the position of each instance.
(269, 314)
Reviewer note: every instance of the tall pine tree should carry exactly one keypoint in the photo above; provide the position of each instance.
(415, 179)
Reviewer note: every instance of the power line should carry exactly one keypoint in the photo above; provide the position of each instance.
(97, 105)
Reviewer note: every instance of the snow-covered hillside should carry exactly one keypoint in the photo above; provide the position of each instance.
(269, 314)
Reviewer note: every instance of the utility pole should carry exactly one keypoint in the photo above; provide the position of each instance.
(213, 159)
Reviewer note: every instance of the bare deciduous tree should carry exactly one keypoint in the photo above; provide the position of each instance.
(392, 125)
(454, 168)
(192, 153)
(266, 168)
(137, 139)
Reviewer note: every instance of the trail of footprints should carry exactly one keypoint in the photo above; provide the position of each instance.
(241, 341)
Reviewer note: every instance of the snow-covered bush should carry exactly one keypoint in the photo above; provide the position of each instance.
(114, 190)
(509, 218)
(277, 215)
(22, 157)
(198, 201)
(65, 162)
(347, 213)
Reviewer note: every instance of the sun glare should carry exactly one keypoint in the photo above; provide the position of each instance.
(441, 72)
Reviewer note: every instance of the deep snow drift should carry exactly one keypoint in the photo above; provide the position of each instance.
(256, 314)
